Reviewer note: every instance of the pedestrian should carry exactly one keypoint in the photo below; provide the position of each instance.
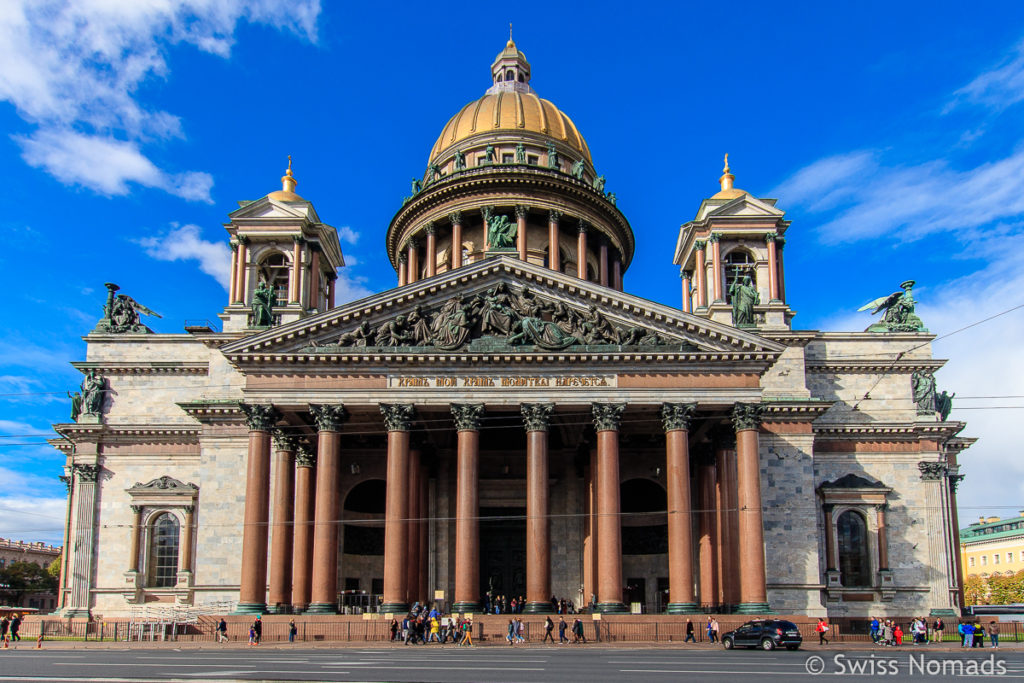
(257, 626)
(252, 636)
(822, 629)
(511, 635)
(4, 625)
(937, 628)
(15, 627)
(467, 630)
(689, 632)
(715, 630)
(520, 629)
(968, 631)
(434, 629)
(708, 631)
(293, 630)
(979, 635)
(993, 634)
(897, 633)
(577, 632)
(562, 640)
(222, 631)
(549, 627)
(394, 629)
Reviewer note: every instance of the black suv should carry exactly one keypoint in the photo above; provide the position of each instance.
(766, 634)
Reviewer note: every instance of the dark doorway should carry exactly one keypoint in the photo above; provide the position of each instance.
(636, 591)
(503, 552)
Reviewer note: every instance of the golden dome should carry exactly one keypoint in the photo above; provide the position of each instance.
(288, 183)
(511, 112)
(728, 191)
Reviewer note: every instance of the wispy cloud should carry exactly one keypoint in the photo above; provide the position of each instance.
(997, 88)
(347, 234)
(350, 287)
(185, 244)
(866, 197)
(74, 69)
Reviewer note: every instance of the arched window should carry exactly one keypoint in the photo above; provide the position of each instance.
(274, 270)
(854, 564)
(163, 551)
(499, 78)
(509, 75)
(521, 78)
(738, 264)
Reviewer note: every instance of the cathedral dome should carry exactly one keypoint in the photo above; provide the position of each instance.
(510, 106)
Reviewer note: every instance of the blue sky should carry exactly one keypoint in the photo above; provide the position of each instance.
(891, 133)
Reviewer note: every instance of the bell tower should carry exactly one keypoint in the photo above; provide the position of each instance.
(731, 253)
(284, 260)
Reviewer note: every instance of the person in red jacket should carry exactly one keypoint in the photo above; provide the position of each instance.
(822, 628)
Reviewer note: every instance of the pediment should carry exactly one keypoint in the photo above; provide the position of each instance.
(267, 208)
(747, 206)
(501, 305)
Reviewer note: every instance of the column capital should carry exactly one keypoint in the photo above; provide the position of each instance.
(770, 237)
(430, 229)
(328, 417)
(714, 238)
(827, 509)
(881, 507)
(932, 470)
(137, 509)
(582, 227)
(298, 239)
(234, 246)
(413, 243)
(243, 240)
(67, 481)
(522, 210)
(304, 456)
(607, 416)
(467, 416)
(699, 245)
(536, 416)
(455, 217)
(686, 274)
(747, 416)
(397, 416)
(86, 473)
(677, 415)
(554, 215)
(260, 417)
(403, 257)
(188, 509)
(284, 441)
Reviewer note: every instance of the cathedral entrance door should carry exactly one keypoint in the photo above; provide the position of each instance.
(503, 551)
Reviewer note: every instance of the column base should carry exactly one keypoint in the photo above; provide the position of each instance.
(75, 613)
(279, 609)
(394, 608)
(542, 607)
(251, 608)
(611, 608)
(465, 606)
(752, 608)
(682, 608)
(322, 608)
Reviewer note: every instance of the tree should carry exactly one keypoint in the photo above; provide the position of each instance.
(975, 590)
(21, 578)
(53, 569)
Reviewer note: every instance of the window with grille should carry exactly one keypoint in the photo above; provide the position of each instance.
(854, 565)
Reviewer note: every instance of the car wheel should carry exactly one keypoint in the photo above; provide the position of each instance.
(727, 643)
(767, 644)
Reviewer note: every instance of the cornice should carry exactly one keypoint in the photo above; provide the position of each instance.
(797, 338)
(215, 411)
(794, 411)
(873, 365)
(166, 433)
(889, 431)
(143, 367)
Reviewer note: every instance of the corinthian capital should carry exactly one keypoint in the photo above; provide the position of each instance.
(607, 415)
(260, 417)
(677, 415)
(536, 416)
(328, 417)
(467, 416)
(747, 416)
(397, 416)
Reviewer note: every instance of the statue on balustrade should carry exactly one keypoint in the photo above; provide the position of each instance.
(599, 184)
(577, 170)
(744, 297)
(460, 161)
(263, 302)
(552, 156)
(501, 232)
(520, 154)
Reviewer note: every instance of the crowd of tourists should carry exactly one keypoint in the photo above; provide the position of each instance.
(501, 604)
(424, 625)
(888, 632)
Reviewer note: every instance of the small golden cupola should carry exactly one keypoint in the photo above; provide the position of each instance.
(728, 191)
(288, 183)
(510, 70)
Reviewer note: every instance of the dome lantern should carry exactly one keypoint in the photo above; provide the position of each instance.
(510, 71)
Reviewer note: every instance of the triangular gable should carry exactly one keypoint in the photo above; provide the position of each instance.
(746, 205)
(634, 322)
(265, 207)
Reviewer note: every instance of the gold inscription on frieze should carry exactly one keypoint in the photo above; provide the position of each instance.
(502, 381)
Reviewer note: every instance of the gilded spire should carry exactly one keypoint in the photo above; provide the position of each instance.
(727, 177)
(288, 181)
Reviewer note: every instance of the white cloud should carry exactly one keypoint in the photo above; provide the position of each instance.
(106, 165)
(347, 234)
(186, 244)
(350, 287)
(32, 518)
(16, 427)
(997, 88)
(74, 70)
(904, 203)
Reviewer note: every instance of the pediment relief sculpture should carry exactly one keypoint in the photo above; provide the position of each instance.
(164, 483)
(500, 317)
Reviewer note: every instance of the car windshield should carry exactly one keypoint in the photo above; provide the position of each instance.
(788, 625)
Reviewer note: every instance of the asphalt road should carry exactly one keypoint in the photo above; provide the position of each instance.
(523, 664)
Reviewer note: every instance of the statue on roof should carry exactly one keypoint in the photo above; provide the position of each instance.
(93, 389)
(520, 154)
(460, 161)
(76, 405)
(577, 169)
(489, 154)
(501, 232)
(944, 404)
(897, 311)
(923, 385)
(552, 156)
(121, 313)
(433, 173)
(416, 186)
(744, 297)
(599, 184)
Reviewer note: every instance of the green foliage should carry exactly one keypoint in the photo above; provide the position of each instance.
(1004, 589)
(975, 590)
(54, 569)
(20, 578)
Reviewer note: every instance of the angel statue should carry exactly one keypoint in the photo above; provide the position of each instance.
(501, 232)
(121, 313)
(897, 311)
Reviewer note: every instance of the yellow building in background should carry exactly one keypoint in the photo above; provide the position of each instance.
(993, 546)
